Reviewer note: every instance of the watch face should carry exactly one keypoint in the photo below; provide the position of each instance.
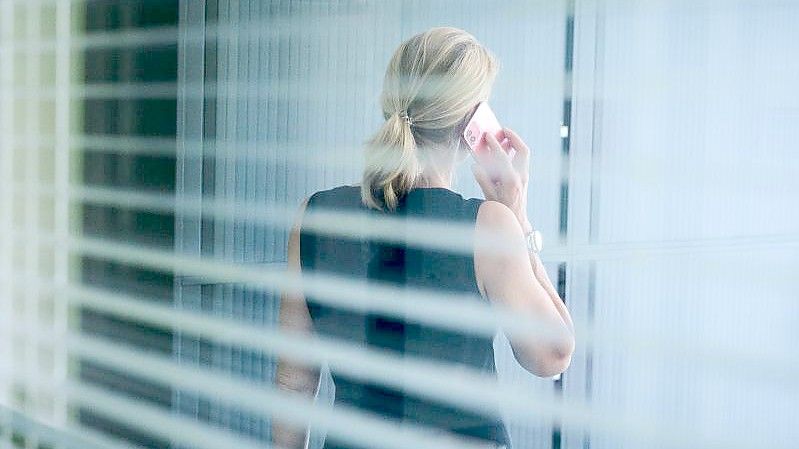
(535, 241)
(539, 241)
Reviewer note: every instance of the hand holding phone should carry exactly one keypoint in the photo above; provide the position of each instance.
(484, 122)
(503, 176)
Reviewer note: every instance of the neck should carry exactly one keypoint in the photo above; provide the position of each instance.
(438, 168)
(435, 179)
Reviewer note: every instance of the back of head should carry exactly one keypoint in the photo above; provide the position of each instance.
(432, 84)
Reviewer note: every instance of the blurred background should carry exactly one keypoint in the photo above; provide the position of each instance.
(152, 154)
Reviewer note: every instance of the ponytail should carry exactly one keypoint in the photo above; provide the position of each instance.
(439, 76)
(391, 164)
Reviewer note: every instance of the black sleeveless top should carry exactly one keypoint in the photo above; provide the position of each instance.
(361, 259)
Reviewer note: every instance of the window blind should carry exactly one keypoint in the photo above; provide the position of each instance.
(154, 154)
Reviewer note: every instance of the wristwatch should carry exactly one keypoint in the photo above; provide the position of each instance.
(534, 241)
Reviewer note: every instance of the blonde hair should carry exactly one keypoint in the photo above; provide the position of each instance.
(433, 82)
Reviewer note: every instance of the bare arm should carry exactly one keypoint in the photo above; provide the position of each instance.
(511, 276)
(294, 318)
(506, 276)
(543, 278)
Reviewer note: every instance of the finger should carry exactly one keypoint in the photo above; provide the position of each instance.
(521, 160)
(500, 156)
(492, 142)
(516, 141)
(483, 180)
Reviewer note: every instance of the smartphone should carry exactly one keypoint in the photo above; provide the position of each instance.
(484, 121)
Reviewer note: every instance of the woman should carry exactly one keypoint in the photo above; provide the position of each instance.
(433, 84)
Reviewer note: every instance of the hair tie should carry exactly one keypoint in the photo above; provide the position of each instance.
(407, 119)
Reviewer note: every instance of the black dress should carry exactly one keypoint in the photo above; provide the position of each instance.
(361, 259)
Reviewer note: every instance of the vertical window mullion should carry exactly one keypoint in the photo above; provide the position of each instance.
(31, 192)
(63, 76)
(7, 151)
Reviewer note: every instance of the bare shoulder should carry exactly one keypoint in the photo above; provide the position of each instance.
(294, 237)
(301, 210)
(499, 248)
(496, 218)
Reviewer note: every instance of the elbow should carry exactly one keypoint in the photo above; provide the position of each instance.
(549, 361)
(556, 364)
